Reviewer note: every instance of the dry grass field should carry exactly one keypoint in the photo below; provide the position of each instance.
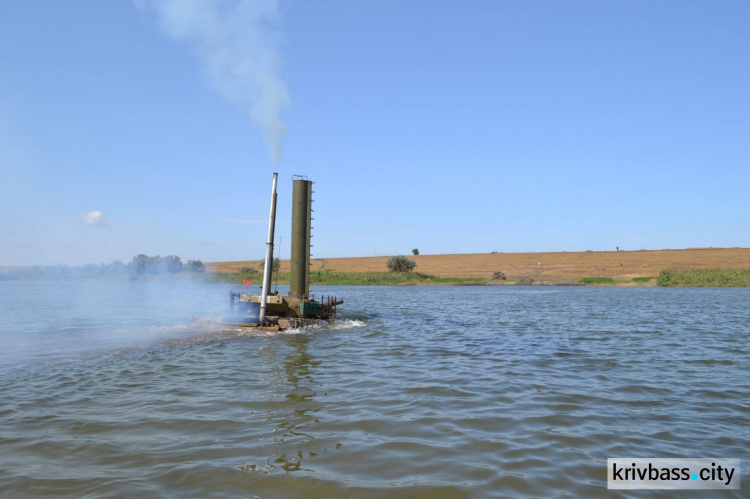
(558, 267)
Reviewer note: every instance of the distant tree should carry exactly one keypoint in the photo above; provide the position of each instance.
(116, 267)
(400, 264)
(195, 266)
(618, 248)
(274, 268)
(415, 252)
(142, 264)
(88, 270)
(154, 265)
(171, 264)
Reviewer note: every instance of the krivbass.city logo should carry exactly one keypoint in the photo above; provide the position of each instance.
(668, 473)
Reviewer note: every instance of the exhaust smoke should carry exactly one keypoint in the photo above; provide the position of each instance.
(237, 41)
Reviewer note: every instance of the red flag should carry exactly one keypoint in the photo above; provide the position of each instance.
(246, 282)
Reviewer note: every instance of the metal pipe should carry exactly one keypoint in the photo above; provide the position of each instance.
(268, 266)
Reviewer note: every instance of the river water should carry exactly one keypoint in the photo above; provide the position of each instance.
(120, 390)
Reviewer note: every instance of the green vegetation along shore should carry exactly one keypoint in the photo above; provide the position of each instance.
(667, 278)
(350, 278)
(713, 278)
(728, 270)
(615, 281)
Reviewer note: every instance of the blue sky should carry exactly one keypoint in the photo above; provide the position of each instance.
(450, 126)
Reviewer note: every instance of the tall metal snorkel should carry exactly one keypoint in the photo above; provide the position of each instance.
(300, 251)
(268, 266)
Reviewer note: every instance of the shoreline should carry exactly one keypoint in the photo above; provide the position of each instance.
(563, 268)
(714, 267)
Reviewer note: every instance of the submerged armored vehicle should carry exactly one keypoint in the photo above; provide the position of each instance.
(270, 311)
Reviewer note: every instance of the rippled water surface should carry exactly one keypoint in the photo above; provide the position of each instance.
(120, 390)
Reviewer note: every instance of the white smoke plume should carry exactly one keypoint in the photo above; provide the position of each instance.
(237, 41)
(94, 219)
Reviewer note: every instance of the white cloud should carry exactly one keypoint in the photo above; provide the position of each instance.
(94, 219)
